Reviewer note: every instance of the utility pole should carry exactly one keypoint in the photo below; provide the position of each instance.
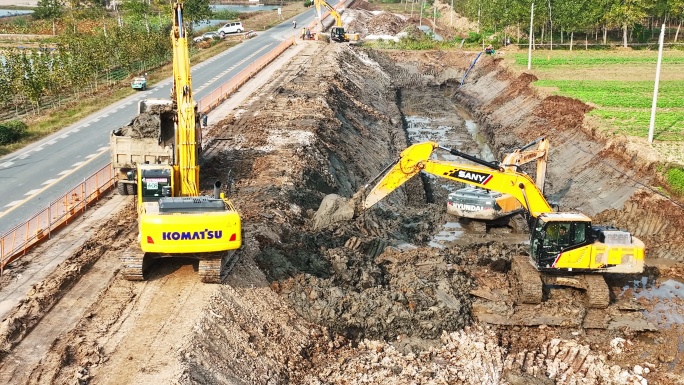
(651, 127)
(451, 23)
(434, 19)
(529, 49)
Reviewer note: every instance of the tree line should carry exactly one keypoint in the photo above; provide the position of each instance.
(632, 19)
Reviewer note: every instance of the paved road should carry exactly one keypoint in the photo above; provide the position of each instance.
(40, 173)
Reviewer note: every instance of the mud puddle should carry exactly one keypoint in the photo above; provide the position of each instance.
(455, 128)
(663, 301)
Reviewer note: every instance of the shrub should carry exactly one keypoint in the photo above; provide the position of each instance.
(675, 177)
(308, 3)
(11, 131)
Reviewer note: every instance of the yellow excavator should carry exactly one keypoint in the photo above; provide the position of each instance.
(491, 206)
(337, 32)
(565, 248)
(174, 220)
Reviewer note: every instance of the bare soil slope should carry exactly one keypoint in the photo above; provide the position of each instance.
(379, 299)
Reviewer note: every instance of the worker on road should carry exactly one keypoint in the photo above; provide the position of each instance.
(303, 33)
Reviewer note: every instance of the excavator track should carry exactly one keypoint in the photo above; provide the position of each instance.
(134, 266)
(213, 270)
(527, 283)
(598, 294)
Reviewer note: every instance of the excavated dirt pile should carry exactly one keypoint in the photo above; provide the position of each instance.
(147, 124)
(401, 294)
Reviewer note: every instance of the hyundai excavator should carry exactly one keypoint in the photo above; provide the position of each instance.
(566, 249)
(337, 32)
(174, 220)
(487, 205)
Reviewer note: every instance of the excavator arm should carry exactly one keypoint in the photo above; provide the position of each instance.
(331, 9)
(522, 156)
(181, 93)
(416, 158)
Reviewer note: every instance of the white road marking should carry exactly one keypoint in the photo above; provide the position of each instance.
(75, 130)
(24, 156)
(53, 141)
(50, 181)
(38, 149)
(64, 172)
(13, 203)
(91, 156)
(96, 119)
(6, 164)
(64, 136)
(32, 191)
(103, 148)
(77, 164)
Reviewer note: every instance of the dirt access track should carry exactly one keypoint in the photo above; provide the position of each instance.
(404, 294)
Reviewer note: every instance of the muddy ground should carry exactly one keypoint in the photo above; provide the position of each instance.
(404, 294)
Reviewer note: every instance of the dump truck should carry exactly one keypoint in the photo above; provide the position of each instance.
(148, 139)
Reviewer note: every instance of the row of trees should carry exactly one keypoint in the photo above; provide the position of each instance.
(78, 64)
(128, 40)
(553, 16)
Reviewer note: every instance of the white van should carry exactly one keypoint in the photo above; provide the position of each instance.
(230, 27)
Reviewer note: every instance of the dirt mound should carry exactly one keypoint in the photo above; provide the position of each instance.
(148, 123)
(363, 5)
(377, 23)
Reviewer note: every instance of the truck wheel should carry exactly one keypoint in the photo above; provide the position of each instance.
(121, 188)
(130, 189)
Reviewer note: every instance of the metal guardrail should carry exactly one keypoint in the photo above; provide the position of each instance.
(217, 97)
(16, 242)
(57, 214)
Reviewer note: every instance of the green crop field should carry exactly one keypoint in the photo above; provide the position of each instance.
(619, 84)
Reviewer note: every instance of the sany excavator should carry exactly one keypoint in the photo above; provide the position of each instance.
(565, 248)
(337, 32)
(487, 205)
(174, 220)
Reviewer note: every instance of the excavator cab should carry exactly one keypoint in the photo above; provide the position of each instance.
(553, 235)
(154, 181)
(338, 34)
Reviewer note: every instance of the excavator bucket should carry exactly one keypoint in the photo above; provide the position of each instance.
(410, 162)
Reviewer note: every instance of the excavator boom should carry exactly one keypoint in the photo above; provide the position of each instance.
(188, 168)
(416, 158)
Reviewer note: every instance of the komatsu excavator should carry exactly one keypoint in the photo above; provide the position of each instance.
(174, 220)
(337, 32)
(565, 248)
(490, 206)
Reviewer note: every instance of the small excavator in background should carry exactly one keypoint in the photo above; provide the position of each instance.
(565, 247)
(174, 220)
(337, 32)
(492, 206)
